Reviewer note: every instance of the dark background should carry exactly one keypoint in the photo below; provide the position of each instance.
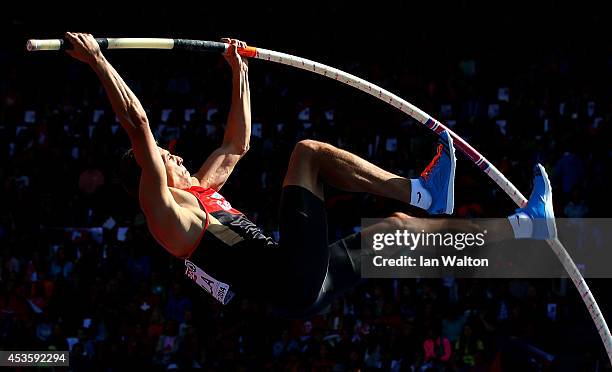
(546, 53)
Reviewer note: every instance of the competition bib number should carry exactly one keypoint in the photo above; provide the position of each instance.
(217, 289)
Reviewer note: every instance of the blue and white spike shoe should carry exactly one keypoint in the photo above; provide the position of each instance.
(439, 177)
(539, 208)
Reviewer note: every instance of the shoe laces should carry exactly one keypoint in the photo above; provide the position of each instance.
(428, 170)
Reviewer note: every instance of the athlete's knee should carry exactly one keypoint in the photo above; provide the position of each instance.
(303, 167)
(399, 220)
(307, 148)
(304, 158)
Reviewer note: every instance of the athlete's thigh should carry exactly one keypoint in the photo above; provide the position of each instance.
(303, 244)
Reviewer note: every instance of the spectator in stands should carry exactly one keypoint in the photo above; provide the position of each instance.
(437, 349)
(468, 347)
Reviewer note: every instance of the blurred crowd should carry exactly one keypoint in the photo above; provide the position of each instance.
(79, 271)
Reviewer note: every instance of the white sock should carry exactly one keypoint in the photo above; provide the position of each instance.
(522, 225)
(419, 197)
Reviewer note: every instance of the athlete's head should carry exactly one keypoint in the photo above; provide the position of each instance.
(178, 176)
(129, 171)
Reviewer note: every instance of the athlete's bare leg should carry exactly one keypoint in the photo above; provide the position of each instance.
(313, 163)
(496, 229)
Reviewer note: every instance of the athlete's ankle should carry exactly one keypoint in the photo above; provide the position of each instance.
(419, 196)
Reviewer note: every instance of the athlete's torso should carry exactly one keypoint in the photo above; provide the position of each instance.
(225, 223)
(220, 258)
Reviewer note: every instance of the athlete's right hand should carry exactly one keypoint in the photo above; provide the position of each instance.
(84, 47)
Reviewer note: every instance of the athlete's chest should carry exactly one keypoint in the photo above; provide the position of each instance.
(189, 201)
(199, 198)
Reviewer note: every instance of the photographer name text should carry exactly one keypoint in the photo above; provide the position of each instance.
(420, 261)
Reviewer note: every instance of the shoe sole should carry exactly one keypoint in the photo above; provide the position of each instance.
(550, 222)
(450, 195)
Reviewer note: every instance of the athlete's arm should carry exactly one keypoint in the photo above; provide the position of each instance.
(157, 202)
(220, 164)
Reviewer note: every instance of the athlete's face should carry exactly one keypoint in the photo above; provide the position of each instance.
(178, 176)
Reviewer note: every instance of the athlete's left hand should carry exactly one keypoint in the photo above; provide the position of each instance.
(84, 47)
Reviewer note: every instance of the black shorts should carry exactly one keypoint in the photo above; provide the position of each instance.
(312, 271)
(301, 274)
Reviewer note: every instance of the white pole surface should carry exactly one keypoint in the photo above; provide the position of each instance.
(140, 43)
(50, 44)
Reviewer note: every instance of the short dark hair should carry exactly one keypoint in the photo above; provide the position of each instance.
(129, 173)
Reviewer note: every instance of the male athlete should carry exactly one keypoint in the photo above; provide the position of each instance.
(224, 252)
